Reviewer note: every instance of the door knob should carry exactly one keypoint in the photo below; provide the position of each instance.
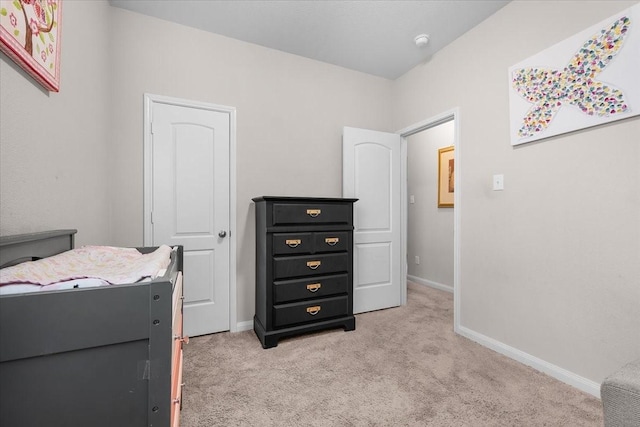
(222, 234)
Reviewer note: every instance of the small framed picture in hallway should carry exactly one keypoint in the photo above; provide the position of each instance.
(446, 177)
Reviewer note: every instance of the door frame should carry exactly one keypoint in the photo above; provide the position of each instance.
(149, 101)
(453, 114)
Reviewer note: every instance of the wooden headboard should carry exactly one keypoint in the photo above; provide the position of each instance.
(30, 246)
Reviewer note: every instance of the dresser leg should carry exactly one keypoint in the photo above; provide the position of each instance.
(266, 339)
(270, 342)
(350, 325)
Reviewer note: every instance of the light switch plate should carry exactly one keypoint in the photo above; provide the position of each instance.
(498, 182)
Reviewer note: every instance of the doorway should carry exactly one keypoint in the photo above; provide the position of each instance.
(429, 225)
(189, 200)
(454, 117)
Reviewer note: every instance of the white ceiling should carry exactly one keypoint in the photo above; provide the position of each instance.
(375, 37)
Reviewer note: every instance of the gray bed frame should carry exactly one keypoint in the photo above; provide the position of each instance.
(89, 356)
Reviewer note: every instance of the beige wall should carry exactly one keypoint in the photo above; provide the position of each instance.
(54, 146)
(551, 265)
(290, 114)
(430, 228)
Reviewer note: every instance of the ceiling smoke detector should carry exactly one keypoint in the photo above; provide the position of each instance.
(422, 40)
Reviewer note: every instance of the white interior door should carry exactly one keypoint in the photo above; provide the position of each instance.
(190, 206)
(372, 174)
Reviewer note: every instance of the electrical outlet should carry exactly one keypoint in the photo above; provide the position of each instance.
(498, 182)
(417, 259)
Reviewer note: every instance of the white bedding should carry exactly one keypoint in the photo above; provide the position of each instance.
(88, 266)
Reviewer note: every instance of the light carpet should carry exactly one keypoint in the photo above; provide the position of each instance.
(401, 367)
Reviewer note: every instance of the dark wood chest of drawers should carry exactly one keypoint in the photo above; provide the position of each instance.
(304, 266)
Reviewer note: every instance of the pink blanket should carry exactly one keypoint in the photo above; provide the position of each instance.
(114, 265)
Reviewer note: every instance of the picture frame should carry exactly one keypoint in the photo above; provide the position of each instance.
(30, 33)
(446, 177)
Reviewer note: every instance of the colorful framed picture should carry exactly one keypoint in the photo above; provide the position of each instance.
(30, 35)
(586, 80)
(446, 177)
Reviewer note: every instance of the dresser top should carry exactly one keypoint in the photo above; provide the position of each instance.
(301, 199)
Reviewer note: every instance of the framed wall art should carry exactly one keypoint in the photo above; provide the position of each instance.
(30, 35)
(446, 177)
(586, 80)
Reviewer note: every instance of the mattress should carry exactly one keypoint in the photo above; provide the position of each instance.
(88, 266)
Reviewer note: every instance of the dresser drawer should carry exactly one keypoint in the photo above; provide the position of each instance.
(292, 290)
(310, 311)
(309, 243)
(298, 266)
(320, 213)
(292, 243)
(330, 242)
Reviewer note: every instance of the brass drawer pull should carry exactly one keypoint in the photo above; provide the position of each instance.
(314, 212)
(313, 310)
(293, 243)
(313, 264)
(313, 287)
(332, 241)
(183, 339)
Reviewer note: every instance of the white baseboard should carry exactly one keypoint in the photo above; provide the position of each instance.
(244, 326)
(430, 283)
(581, 383)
